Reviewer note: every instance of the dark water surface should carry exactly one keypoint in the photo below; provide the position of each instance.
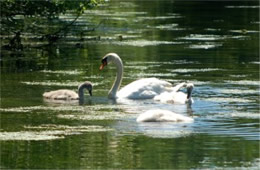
(214, 45)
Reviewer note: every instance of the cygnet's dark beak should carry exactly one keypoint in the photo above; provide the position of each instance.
(90, 92)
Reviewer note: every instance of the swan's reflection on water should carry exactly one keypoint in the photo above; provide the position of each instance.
(166, 130)
(154, 129)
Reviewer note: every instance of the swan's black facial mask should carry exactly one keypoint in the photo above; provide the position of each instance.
(104, 63)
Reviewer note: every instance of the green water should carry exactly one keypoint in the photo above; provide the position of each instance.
(214, 45)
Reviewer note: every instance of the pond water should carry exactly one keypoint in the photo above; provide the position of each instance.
(214, 45)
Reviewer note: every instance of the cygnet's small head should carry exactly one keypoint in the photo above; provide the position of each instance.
(107, 59)
(86, 85)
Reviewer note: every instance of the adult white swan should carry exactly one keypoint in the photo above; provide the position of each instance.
(177, 97)
(65, 94)
(159, 115)
(145, 88)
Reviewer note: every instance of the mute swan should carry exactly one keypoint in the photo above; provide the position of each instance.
(65, 94)
(177, 97)
(160, 115)
(145, 88)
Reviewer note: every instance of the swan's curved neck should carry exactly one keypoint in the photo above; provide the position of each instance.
(119, 66)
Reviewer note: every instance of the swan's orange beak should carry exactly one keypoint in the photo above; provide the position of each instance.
(102, 66)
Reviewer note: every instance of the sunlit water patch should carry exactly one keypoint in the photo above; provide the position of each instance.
(160, 63)
(31, 135)
(255, 62)
(183, 62)
(107, 39)
(55, 83)
(50, 132)
(152, 64)
(205, 46)
(173, 16)
(115, 14)
(43, 108)
(244, 31)
(212, 29)
(67, 72)
(52, 83)
(254, 7)
(147, 75)
(75, 112)
(238, 76)
(202, 37)
(195, 70)
(126, 36)
(255, 22)
(65, 107)
(169, 27)
(142, 43)
(244, 114)
(16, 109)
(209, 41)
(136, 67)
(240, 37)
(244, 82)
(97, 115)
(239, 91)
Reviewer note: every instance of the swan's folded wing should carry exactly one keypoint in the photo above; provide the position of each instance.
(145, 88)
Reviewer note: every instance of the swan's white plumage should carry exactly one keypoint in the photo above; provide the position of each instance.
(159, 115)
(145, 88)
